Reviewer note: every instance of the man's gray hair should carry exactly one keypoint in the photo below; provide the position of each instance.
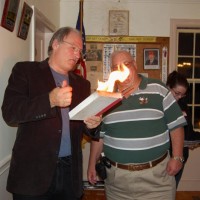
(59, 35)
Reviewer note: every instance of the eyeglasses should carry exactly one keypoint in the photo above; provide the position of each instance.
(117, 67)
(178, 94)
(75, 48)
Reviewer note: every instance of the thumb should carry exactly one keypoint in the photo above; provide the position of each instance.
(64, 84)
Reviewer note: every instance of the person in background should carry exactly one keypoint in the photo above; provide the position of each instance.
(178, 85)
(134, 138)
(46, 161)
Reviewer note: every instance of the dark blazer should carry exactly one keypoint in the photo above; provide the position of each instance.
(35, 152)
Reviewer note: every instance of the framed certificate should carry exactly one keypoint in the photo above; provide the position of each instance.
(118, 22)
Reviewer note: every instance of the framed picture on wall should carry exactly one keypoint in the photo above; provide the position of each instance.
(25, 21)
(9, 14)
(151, 59)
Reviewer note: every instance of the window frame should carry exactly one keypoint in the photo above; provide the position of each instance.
(177, 26)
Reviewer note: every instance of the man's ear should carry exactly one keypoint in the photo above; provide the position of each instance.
(55, 44)
(134, 64)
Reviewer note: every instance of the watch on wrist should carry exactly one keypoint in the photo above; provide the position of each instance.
(179, 158)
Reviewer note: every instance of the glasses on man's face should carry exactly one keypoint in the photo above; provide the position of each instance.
(178, 94)
(75, 48)
(118, 67)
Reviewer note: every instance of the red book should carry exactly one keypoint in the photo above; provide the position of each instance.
(96, 104)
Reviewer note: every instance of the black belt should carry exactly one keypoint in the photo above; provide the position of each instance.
(138, 167)
(67, 160)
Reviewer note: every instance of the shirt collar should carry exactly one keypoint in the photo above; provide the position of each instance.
(143, 83)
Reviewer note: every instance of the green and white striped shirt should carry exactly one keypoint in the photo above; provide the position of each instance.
(137, 130)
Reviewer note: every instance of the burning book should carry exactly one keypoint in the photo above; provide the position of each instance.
(103, 99)
(96, 104)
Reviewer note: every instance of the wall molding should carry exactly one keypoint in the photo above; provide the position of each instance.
(4, 164)
(42, 24)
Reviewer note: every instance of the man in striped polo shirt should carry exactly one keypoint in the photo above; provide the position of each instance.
(135, 136)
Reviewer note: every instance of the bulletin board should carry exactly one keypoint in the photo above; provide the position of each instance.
(99, 48)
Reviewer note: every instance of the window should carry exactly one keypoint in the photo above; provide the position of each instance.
(188, 63)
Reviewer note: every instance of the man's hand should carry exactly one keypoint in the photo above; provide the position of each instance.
(91, 175)
(173, 167)
(61, 96)
(93, 122)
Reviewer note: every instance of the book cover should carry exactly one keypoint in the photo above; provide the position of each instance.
(96, 104)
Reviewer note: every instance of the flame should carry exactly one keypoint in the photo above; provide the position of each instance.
(120, 75)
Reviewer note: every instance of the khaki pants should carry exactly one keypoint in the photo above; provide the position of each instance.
(149, 184)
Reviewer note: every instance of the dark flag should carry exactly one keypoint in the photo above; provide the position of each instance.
(80, 27)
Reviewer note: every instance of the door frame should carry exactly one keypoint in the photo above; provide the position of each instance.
(40, 23)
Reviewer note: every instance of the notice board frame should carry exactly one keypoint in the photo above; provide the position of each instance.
(95, 43)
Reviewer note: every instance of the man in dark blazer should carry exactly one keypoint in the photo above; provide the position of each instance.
(47, 156)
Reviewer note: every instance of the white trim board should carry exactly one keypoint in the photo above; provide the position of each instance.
(4, 164)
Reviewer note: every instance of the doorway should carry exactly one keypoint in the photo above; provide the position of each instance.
(41, 32)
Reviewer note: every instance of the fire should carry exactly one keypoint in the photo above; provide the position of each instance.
(120, 75)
